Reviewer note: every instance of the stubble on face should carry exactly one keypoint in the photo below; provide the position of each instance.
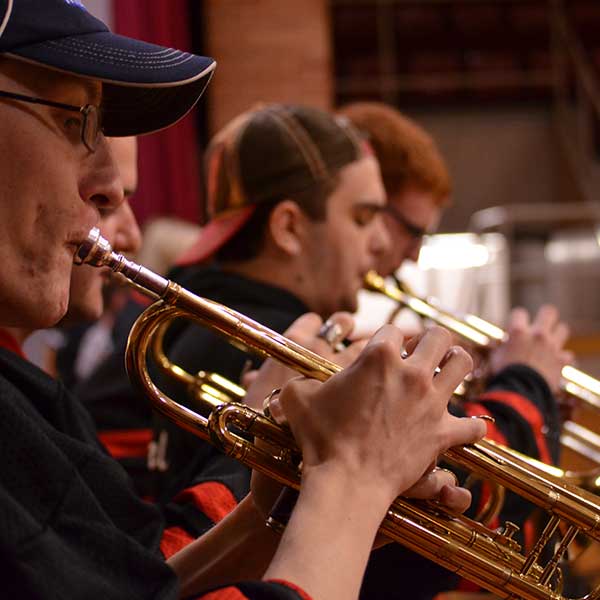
(341, 250)
(40, 209)
(119, 227)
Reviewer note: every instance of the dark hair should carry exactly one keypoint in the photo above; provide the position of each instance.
(248, 242)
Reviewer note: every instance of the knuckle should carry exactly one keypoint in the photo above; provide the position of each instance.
(518, 329)
(541, 336)
(441, 334)
(383, 352)
(294, 392)
(463, 356)
(417, 377)
(443, 440)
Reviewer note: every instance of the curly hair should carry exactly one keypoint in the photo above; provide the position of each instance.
(407, 154)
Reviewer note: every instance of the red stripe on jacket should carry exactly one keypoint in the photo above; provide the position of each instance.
(228, 593)
(126, 443)
(529, 411)
(294, 587)
(9, 342)
(474, 409)
(173, 540)
(214, 499)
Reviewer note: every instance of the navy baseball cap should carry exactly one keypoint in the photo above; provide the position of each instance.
(145, 87)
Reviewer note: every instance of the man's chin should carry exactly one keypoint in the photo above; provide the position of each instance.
(83, 313)
(389, 267)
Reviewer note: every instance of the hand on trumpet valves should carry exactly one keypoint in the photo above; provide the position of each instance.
(438, 483)
(539, 344)
(441, 484)
(379, 424)
(309, 331)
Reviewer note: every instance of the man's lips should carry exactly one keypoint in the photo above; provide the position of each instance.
(72, 248)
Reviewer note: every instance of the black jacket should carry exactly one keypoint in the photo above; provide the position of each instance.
(71, 525)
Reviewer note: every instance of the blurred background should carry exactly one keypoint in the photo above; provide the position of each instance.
(509, 89)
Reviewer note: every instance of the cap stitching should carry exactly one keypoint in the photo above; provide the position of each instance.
(80, 43)
(94, 48)
(108, 59)
(307, 147)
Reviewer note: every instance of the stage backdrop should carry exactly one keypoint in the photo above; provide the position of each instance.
(169, 161)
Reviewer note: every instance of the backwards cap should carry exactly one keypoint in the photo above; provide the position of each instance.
(265, 155)
(146, 87)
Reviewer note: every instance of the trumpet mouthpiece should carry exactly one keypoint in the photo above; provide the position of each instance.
(94, 250)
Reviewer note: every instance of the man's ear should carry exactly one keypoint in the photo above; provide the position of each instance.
(287, 224)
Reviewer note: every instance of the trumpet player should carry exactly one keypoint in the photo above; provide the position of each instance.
(525, 370)
(290, 190)
(290, 234)
(418, 188)
(71, 525)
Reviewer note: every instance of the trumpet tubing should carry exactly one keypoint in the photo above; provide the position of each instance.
(490, 559)
(208, 389)
(481, 333)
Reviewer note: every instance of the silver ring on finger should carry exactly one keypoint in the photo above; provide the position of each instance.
(332, 333)
(454, 477)
(267, 402)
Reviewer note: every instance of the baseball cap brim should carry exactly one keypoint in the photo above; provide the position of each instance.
(147, 87)
(214, 235)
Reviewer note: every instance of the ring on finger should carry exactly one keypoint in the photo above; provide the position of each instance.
(267, 402)
(452, 473)
(332, 333)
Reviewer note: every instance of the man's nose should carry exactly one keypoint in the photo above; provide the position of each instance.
(128, 238)
(381, 241)
(101, 184)
(415, 249)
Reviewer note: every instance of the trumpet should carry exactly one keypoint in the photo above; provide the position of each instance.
(205, 388)
(580, 386)
(492, 559)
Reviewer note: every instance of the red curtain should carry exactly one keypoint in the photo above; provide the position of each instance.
(169, 161)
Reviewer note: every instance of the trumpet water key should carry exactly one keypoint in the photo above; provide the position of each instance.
(491, 559)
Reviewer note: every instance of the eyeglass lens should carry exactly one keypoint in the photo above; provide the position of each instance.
(90, 128)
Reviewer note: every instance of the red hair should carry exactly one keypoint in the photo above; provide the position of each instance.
(407, 154)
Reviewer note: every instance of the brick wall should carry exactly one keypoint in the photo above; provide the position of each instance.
(267, 51)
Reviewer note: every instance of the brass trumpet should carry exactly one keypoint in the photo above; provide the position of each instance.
(483, 334)
(206, 388)
(490, 559)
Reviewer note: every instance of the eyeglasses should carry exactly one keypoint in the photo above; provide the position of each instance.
(413, 230)
(90, 125)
